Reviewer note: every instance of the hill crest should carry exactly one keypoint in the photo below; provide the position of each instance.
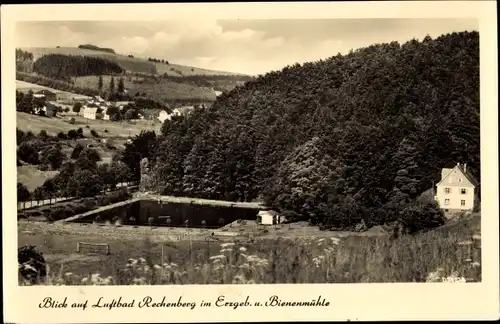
(130, 64)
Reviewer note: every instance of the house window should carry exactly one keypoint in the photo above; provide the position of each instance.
(446, 201)
(447, 190)
(462, 202)
(463, 191)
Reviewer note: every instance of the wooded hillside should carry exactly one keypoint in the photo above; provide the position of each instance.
(354, 137)
(66, 66)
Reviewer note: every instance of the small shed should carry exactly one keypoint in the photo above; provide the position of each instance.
(268, 217)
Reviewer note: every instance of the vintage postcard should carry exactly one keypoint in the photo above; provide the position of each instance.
(211, 162)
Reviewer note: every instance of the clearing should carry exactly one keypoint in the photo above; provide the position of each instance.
(54, 125)
(31, 177)
(311, 258)
(159, 89)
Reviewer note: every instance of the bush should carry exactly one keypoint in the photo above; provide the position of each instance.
(110, 146)
(62, 135)
(28, 153)
(32, 265)
(106, 130)
(21, 216)
(34, 214)
(72, 121)
(72, 134)
(420, 216)
(57, 213)
(94, 133)
(292, 216)
(79, 208)
(89, 204)
(121, 194)
(79, 131)
(43, 134)
(76, 151)
(68, 211)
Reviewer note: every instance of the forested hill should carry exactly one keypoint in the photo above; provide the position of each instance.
(356, 136)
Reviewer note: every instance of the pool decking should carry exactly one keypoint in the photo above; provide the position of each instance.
(166, 199)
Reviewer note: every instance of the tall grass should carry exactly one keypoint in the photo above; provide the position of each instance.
(447, 255)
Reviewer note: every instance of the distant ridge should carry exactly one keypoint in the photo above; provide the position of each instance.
(129, 63)
(96, 48)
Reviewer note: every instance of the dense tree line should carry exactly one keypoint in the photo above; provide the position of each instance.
(96, 48)
(64, 67)
(354, 137)
(24, 61)
(209, 78)
(23, 55)
(152, 59)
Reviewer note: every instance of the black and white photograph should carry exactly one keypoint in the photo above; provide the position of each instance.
(248, 151)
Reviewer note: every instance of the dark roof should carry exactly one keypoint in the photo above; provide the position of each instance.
(469, 176)
(271, 212)
(445, 172)
(46, 92)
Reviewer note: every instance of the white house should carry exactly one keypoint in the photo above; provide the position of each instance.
(90, 112)
(121, 104)
(39, 95)
(105, 115)
(456, 192)
(268, 217)
(182, 110)
(163, 116)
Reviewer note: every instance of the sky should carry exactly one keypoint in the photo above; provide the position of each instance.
(245, 46)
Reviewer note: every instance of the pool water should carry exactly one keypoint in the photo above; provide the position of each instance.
(172, 214)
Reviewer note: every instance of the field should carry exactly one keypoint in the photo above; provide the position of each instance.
(34, 123)
(280, 256)
(137, 65)
(159, 90)
(62, 95)
(31, 177)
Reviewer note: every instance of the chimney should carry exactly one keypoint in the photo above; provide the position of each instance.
(465, 167)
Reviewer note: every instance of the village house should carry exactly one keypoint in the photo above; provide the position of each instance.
(39, 96)
(80, 99)
(105, 115)
(48, 95)
(268, 217)
(122, 104)
(163, 116)
(185, 110)
(90, 112)
(456, 192)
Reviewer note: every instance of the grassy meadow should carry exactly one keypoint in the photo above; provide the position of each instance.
(451, 253)
(162, 89)
(34, 123)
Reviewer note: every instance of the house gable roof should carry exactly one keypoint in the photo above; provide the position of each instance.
(269, 212)
(445, 173)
